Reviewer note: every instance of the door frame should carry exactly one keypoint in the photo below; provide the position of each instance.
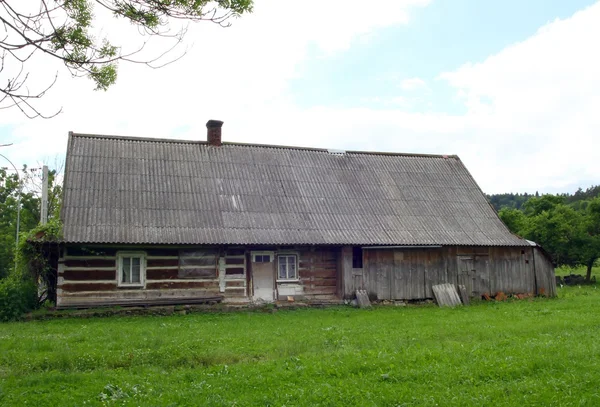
(273, 261)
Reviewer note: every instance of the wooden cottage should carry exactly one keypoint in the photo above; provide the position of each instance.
(156, 221)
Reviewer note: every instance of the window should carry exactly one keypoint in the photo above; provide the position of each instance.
(132, 269)
(198, 264)
(357, 257)
(262, 257)
(287, 267)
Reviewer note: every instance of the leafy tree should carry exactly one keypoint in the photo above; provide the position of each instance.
(513, 218)
(570, 233)
(28, 186)
(61, 30)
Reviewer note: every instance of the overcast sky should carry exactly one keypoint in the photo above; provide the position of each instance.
(512, 87)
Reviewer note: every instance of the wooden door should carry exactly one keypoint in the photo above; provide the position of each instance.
(263, 281)
(466, 272)
(474, 274)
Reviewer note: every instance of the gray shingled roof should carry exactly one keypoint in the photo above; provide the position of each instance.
(126, 190)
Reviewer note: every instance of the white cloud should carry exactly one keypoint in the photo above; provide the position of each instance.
(536, 103)
(413, 84)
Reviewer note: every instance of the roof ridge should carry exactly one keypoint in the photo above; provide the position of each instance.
(273, 146)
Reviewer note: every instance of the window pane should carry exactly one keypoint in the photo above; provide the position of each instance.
(262, 258)
(282, 268)
(287, 267)
(292, 267)
(135, 270)
(126, 274)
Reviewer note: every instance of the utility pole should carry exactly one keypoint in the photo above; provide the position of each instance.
(44, 209)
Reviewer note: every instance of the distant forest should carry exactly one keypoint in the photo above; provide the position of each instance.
(516, 201)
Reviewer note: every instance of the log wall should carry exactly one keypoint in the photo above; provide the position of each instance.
(88, 276)
(318, 272)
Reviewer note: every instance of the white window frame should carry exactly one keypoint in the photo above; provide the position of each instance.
(262, 253)
(295, 256)
(142, 257)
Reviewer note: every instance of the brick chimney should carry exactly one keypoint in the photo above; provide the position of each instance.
(213, 132)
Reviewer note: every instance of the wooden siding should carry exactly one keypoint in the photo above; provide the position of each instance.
(544, 273)
(409, 274)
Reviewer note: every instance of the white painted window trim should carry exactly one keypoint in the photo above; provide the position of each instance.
(288, 280)
(142, 257)
(253, 255)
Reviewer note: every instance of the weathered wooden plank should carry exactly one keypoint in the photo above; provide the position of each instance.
(320, 290)
(409, 274)
(162, 274)
(511, 270)
(234, 261)
(237, 293)
(235, 252)
(90, 251)
(69, 287)
(174, 262)
(544, 274)
(437, 271)
(89, 274)
(362, 299)
(320, 265)
(90, 263)
(345, 265)
(381, 269)
(446, 295)
(318, 274)
(464, 295)
(234, 283)
(481, 283)
(321, 282)
(162, 252)
(197, 273)
(232, 271)
(183, 284)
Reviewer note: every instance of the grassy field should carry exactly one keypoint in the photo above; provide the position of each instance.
(530, 352)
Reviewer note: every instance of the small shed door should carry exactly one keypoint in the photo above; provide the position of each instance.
(474, 274)
(466, 272)
(263, 276)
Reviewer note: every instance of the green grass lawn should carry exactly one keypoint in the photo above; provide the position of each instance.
(530, 352)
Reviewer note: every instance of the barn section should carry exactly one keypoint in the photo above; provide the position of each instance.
(408, 273)
(159, 220)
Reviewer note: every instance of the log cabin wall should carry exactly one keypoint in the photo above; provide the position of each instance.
(318, 272)
(89, 276)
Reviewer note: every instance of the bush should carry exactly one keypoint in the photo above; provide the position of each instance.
(17, 296)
